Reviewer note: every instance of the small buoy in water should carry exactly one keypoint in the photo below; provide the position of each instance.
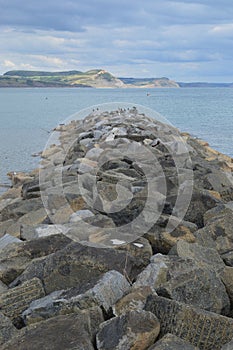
(148, 94)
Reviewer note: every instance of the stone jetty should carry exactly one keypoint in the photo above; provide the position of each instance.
(122, 240)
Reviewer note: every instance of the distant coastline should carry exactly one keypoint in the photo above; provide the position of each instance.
(96, 78)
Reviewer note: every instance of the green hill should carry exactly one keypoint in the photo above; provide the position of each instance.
(97, 78)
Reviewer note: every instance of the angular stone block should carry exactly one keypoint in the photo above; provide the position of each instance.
(14, 301)
(133, 330)
(206, 330)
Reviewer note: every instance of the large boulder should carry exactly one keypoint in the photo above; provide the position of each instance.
(16, 256)
(15, 300)
(186, 281)
(203, 256)
(78, 265)
(7, 330)
(133, 330)
(70, 332)
(172, 342)
(219, 225)
(104, 293)
(200, 328)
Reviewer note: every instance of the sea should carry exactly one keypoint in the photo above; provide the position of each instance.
(27, 116)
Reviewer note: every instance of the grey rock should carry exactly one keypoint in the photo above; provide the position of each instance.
(15, 300)
(204, 238)
(7, 330)
(19, 208)
(77, 264)
(168, 230)
(3, 287)
(95, 152)
(133, 330)
(4, 226)
(154, 275)
(228, 346)
(8, 239)
(172, 342)
(220, 228)
(15, 257)
(134, 300)
(228, 258)
(105, 292)
(42, 308)
(140, 248)
(201, 201)
(200, 328)
(71, 332)
(29, 233)
(185, 281)
(203, 256)
(227, 278)
(31, 189)
(81, 214)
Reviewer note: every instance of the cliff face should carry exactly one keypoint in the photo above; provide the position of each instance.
(124, 237)
(97, 78)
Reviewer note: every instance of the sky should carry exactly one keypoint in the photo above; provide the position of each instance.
(189, 40)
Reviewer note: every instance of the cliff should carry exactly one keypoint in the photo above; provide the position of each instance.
(97, 78)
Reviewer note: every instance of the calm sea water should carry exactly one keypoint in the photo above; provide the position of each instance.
(27, 114)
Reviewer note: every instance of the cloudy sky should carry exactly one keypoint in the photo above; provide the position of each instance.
(189, 40)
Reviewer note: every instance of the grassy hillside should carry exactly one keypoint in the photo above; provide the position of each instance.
(93, 78)
(97, 78)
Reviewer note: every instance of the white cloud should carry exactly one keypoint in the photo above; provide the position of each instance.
(179, 39)
(8, 64)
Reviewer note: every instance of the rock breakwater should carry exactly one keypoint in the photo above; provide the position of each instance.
(122, 240)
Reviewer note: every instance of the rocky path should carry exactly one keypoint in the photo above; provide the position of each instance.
(123, 240)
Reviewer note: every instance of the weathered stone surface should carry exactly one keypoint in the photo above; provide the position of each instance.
(134, 300)
(228, 258)
(206, 330)
(140, 248)
(14, 301)
(201, 201)
(78, 264)
(62, 215)
(185, 281)
(31, 189)
(3, 287)
(203, 256)
(44, 308)
(29, 233)
(4, 226)
(162, 239)
(19, 208)
(154, 275)
(15, 257)
(228, 346)
(7, 330)
(80, 215)
(70, 332)
(34, 217)
(227, 278)
(14, 229)
(220, 227)
(204, 238)
(172, 342)
(104, 293)
(133, 330)
(8, 239)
